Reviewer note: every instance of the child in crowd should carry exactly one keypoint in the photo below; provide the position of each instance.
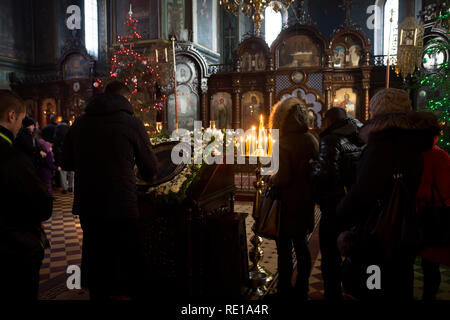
(47, 166)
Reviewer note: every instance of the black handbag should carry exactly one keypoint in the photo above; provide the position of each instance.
(435, 221)
(268, 216)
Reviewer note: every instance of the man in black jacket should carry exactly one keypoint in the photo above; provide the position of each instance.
(102, 147)
(340, 148)
(25, 204)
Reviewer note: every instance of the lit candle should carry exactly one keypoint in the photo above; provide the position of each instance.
(165, 54)
(247, 146)
(242, 146)
(156, 54)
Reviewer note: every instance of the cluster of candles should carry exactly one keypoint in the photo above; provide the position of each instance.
(259, 145)
(157, 55)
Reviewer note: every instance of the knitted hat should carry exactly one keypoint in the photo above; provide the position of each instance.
(28, 121)
(390, 100)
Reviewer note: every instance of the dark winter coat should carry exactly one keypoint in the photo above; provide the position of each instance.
(26, 143)
(102, 147)
(392, 139)
(297, 148)
(48, 132)
(60, 133)
(24, 200)
(335, 172)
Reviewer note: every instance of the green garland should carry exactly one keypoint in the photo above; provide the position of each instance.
(438, 86)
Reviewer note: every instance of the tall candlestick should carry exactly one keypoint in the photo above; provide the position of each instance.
(165, 54)
(265, 146)
(156, 54)
(175, 81)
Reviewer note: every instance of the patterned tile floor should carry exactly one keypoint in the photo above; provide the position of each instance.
(65, 235)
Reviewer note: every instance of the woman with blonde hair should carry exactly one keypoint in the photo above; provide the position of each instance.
(297, 148)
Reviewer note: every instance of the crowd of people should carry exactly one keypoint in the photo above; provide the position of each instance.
(350, 170)
(358, 174)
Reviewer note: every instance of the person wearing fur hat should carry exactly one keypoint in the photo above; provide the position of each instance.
(297, 148)
(395, 141)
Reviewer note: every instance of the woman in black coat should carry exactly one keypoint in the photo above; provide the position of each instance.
(297, 148)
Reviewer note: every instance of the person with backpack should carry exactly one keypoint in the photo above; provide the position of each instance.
(388, 177)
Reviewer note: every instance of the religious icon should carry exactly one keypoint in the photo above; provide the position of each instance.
(297, 77)
(355, 55)
(260, 62)
(346, 98)
(246, 62)
(220, 111)
(183, 73)
(299, 51)
(408, 37)
(187, 108)
(339, 56)
(252, 103)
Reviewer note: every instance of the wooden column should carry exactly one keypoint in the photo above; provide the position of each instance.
(204, 106)
(327, 87)
(366, 87)
(270, 88)
(236, 103)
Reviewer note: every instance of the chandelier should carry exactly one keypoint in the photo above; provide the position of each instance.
(254, 8)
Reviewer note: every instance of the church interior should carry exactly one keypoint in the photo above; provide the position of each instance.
(207, 67)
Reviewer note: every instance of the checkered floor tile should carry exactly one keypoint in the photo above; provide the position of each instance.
(65, 235)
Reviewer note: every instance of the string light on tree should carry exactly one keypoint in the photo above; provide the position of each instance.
(138, 73)
(438, 84)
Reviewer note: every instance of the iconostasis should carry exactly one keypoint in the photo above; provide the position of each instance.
(301, 63)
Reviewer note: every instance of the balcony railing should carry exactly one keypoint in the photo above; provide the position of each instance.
(381, 60)
(216, 68)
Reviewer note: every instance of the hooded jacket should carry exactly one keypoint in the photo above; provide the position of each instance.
(297, 147)
(102, 147)
(395, 143)
(340, 149)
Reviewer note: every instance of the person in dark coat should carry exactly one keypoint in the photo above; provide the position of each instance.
(25, 204)
(297, 147)
(25, 140)
(335, 173)
(66, 177)
(436, 174)
(102, 147)
(393, 140)
(48, 132)
(47, 166)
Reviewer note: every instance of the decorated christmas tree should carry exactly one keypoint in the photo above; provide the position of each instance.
(438, 87)
(139, 73)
